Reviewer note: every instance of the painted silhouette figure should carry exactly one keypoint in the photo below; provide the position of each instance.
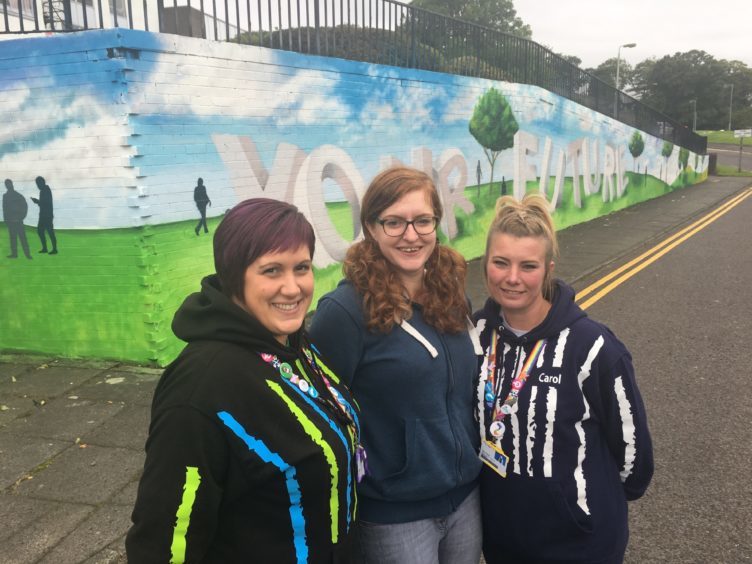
(503, 185)
(14, 212)
(479, 172)
(45, 216)
(201, 199)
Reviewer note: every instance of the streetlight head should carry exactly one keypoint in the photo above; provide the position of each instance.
(629, 45)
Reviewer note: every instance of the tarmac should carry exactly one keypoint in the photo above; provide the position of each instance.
(72, 432)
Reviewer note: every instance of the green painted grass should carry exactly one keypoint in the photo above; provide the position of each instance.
(112, 293)
(86, 301)
(639, 188)
(341, 215)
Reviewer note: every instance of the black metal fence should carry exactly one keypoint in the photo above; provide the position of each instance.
(375, 31)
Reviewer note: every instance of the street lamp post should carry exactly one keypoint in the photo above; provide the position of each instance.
(694, 114)
(618, 60)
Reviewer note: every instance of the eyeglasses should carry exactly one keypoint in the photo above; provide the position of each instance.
(396, 227)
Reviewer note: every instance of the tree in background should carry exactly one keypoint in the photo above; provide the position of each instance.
(668, 148)
(606, 71)
(636, 147)
(493, 126)
(496, 14)
(669, 83)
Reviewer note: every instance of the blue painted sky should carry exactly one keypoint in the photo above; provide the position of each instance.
(85, 104)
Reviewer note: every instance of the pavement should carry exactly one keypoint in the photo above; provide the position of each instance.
(72, 431)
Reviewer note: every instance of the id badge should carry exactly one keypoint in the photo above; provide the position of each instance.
(494, 457)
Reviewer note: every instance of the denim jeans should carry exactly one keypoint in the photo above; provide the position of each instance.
(454, 539)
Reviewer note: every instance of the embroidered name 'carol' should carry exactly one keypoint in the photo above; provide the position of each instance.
(549, 379)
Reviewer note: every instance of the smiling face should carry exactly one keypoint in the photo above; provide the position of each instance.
(278, 290)
(515, 272)
(409, 252)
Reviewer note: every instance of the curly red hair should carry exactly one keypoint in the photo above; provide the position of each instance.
(385, 300)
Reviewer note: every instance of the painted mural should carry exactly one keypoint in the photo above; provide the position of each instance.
(122, 150)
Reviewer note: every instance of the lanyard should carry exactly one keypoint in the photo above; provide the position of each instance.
(340, 405)
(502, 409)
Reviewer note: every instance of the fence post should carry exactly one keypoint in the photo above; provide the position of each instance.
(412, 39)
(67, 15)
(477, 50)
(316, 26)
(160, 16)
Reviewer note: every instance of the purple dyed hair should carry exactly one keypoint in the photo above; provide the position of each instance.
(254, 228)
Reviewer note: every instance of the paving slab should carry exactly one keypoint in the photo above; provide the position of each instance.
(127, 496)
(113, 554)
(128, 428)
(9, 371)
(65, 418)
(12, 407)
(95, 534)
(24, 456)
(84, 475)
(49, 380)
(32, 527)
(117, 386)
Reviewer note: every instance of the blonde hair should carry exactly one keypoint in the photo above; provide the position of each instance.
(444, 305)
(529, 217)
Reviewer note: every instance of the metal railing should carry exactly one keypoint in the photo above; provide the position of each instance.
(374, 31)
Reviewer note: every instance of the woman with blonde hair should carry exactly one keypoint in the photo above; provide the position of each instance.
(563, 428)
(396, 331)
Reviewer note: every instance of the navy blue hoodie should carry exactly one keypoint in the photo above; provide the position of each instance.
(417, 408)
(577, 440)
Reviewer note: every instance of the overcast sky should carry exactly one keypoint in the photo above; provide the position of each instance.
(594, 29)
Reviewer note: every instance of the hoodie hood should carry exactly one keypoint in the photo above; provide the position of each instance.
(209, 315)
(563, 313)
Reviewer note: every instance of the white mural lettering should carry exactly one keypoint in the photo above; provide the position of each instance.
(328, 163)
(299, 178)
(525, 144)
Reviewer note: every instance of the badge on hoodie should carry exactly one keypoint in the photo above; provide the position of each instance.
(494, 457)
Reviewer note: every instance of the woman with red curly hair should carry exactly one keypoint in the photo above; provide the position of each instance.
(396, 331)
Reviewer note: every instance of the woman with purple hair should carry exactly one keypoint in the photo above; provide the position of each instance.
(253, 443)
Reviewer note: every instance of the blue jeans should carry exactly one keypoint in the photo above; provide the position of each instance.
(454, 539)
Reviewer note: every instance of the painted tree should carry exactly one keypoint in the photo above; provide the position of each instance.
(668, 148)
(683, 162)
(636, 147)
(493, 125)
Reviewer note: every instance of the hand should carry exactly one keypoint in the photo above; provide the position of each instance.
(35, 200)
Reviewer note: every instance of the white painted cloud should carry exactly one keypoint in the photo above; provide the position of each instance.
(87, 167)
(10, 102)
(304, 97)
(309, 97)
(377, 111)
(531, 103)
(460, 107)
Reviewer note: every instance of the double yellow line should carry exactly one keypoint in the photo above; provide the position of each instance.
(626, 271)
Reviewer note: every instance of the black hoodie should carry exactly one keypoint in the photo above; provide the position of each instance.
(577, 440)
(241, 464)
